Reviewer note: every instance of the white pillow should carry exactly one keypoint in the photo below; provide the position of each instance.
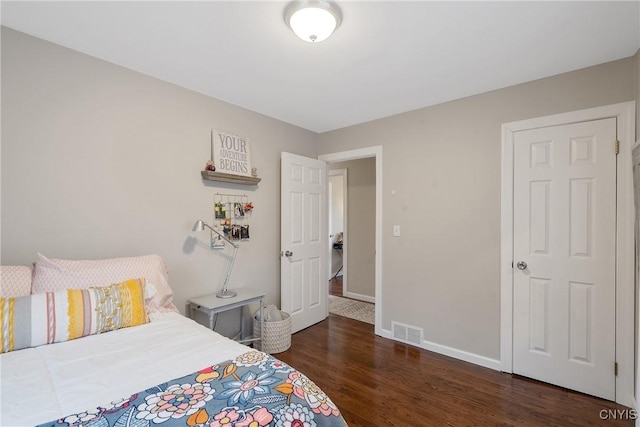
(53, 275)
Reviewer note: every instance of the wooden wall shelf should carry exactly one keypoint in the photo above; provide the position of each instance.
(225, 177)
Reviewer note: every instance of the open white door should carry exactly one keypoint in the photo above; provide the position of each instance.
(303, 240)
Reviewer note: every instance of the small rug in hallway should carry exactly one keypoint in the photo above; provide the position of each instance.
(353, 309)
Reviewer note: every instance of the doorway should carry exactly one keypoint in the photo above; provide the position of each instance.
(338, 204)
(353, 241)
(374, 154)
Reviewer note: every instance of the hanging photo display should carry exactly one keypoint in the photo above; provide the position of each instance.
(231, 213)
(230, 153)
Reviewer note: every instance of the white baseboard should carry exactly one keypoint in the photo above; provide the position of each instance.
(466, 356)
(365, 298)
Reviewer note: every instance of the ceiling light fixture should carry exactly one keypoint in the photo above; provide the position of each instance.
(312, 20)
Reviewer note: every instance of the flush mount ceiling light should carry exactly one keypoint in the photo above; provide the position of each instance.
(312, 20)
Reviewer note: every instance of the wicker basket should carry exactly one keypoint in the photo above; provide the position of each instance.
(276, 336)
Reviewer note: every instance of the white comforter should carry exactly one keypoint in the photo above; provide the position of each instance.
(69, 377)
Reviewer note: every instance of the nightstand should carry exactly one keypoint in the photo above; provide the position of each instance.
(212, 305)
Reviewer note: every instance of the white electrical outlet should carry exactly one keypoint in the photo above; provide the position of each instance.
(396, 231)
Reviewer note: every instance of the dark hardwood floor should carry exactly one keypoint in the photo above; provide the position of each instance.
(379, 382)
(335, 286)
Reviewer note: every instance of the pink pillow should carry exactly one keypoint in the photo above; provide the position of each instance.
(15, 280)
(53, 275)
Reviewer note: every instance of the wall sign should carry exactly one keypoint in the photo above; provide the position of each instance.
(230, 153)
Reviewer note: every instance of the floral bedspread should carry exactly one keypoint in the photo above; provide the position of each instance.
(253, 390)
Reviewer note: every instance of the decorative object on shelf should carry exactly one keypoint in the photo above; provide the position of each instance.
(224, 292)
(312, 20)
(230, 160)
(231, 153)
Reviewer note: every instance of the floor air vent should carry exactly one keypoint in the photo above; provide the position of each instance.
(407, 333)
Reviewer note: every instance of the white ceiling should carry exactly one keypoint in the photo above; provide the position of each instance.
(387, 57)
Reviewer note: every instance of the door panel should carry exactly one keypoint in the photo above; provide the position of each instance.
(580, 320)
(303, 224)
(539, 313)
(565, 231)
(539, 222)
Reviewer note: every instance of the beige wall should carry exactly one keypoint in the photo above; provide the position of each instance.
(101, 161)
(336, 216)
(361, 222)
(637, 82)
(443, 163)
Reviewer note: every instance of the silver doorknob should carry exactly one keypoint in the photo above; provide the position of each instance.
(288, 253)
(521, 265)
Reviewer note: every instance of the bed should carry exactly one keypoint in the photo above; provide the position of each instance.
(167, 370)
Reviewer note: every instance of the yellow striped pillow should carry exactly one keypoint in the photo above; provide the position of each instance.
(52, 317)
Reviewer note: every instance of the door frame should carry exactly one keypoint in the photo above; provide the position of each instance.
(625, 300)
(343, 174)
(363, 153)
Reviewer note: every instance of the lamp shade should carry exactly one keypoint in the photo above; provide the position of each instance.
(312, 21)
(198, 226)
